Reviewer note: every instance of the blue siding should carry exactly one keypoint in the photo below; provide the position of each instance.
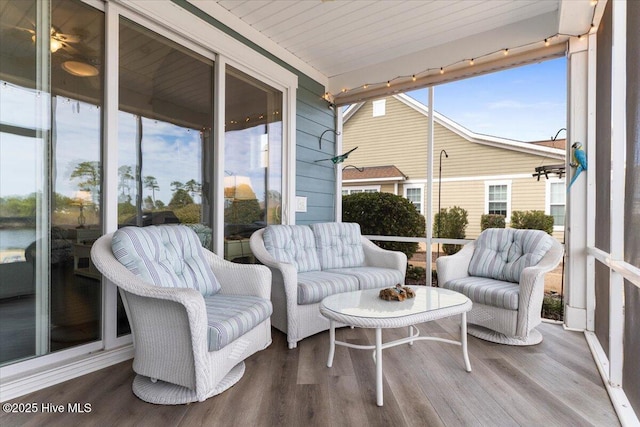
(316, 181)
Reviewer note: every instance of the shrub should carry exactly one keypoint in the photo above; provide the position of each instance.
(491, 221)
(189, 214)
(453, 223)
(385, 214)
(532, 220)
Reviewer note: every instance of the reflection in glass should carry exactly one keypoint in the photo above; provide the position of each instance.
(50, 145)
(164, 136)
(253, 161)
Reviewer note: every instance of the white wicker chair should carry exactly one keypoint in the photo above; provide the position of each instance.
(493, 322)
(299, 321)
(169, 327)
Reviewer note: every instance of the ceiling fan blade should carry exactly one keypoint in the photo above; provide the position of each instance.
(66, 38)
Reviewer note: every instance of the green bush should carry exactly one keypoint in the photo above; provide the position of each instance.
(532, 220)
(189, 214)
(385, 214)
(491, 221)
(452, 223)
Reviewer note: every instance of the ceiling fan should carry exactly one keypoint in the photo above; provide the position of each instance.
(77, 62)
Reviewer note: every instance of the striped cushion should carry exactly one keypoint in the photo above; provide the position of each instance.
(528, 248)
(314, 286)
(231, 316)
(482, 290)
(502, 253)
(294, 244)
(339, 244)
(372, 277)
(165, 255)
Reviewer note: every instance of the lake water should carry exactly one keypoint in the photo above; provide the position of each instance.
(16, 239)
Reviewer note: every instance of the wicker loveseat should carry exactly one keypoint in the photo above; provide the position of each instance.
(194, 316)
(502, 272)
(311, 262)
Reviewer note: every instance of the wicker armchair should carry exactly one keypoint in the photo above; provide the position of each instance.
(190, 335)
(502, 272)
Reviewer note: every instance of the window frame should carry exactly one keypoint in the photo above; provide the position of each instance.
(547, 199)
(406, 187)
(487, 186)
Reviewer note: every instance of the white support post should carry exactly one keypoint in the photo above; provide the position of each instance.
(591, 180)
(576, 231)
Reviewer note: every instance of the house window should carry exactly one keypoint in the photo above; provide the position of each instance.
(367, 189)
(414, 194)
(556, 199)
(379, 107)
(498, 198)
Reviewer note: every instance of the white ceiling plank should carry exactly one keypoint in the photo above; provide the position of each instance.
(373, 41)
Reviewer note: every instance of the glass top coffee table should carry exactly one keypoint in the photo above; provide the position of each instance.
(365, 309)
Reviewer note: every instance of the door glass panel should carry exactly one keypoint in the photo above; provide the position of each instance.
(165, 148)
(253, 161)
(50, 143)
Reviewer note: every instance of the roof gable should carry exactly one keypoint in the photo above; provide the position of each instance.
(503, 143)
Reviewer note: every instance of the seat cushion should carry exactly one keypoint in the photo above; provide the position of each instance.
(339, 244)
(483, 290)
(231, 316)
(503, 253)
(294, 244)
(372, 277)
(165, 255)
(314, 286)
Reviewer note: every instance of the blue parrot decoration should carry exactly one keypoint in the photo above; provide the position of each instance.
(579, 162)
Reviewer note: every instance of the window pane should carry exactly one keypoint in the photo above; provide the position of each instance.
(164, 128)
(253, 161)
(557, 193)
(558, 215)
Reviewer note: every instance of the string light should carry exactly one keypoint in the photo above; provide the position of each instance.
(505, 52)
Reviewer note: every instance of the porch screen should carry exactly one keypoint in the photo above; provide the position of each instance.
(630, 373)
(603, 171)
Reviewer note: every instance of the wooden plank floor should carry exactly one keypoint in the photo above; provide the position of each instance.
(555, 383)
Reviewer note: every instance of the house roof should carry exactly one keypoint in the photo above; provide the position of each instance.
(350, 44)
(537, 148)
(374, 173)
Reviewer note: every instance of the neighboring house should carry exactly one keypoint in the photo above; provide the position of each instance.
(482, 174)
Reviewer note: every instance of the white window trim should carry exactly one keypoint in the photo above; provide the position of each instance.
(547, 200)
(488, 184)
(405, 187)
(361, 188)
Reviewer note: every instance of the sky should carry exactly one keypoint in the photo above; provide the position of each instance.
(525, 103)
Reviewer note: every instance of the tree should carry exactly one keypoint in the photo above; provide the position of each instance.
(88, 174)
(180, 199)
(151, 183)
(125, 175)
(193, 187)
(385, 214)
(453, 224)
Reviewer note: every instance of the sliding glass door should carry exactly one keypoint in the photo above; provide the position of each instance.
(51, 101)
